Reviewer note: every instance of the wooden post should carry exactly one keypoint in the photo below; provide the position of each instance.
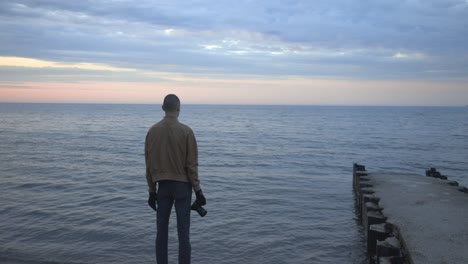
(388, 247)
(376, 232)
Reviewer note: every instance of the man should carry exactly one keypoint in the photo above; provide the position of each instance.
(171, 157)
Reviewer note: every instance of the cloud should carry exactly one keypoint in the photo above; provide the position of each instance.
(409, 56)
(330, 39)
(35, 63)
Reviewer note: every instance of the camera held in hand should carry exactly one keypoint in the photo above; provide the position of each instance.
(197, 207)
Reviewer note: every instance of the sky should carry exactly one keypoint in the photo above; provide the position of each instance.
(331, 52)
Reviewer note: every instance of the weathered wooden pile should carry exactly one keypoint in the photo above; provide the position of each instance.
(383, 240)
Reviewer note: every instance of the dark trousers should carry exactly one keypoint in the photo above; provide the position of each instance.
(180, 194)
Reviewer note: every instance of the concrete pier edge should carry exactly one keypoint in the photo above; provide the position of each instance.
(376, 228)
(384, 241)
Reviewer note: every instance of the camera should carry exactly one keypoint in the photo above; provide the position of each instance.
(200, 210)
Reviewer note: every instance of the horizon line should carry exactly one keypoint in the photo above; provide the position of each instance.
(234, 104)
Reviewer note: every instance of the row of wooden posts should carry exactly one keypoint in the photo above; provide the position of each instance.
(384, 243)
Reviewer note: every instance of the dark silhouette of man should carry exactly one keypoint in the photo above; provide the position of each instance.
(171, 157)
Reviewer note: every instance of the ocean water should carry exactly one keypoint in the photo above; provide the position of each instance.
(277, 179)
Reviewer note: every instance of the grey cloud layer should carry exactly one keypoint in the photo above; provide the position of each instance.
(348, 39)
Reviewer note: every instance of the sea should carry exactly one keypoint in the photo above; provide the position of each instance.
(278, 179)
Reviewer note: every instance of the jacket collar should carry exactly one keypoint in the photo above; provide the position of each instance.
(171, 115)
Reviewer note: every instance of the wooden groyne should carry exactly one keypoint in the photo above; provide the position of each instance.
(409, 218)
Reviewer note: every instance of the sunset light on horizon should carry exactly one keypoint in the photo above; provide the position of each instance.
(212, 52)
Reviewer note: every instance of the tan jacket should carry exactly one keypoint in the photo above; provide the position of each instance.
(171, 153)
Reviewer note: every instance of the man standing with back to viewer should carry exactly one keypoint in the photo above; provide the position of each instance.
(171, 157)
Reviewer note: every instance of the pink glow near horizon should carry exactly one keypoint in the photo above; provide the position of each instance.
(244, 91)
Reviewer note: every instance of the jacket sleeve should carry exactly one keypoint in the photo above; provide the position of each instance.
(192, 161)
(149, 179)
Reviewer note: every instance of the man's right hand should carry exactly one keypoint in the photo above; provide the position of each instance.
(153, 196)
(200, 198)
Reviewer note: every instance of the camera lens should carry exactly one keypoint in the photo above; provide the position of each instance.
(201, 211)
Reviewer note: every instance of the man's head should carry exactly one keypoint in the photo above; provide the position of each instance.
(171, 103)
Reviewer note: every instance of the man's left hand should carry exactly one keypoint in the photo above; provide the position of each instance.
(153, 196)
